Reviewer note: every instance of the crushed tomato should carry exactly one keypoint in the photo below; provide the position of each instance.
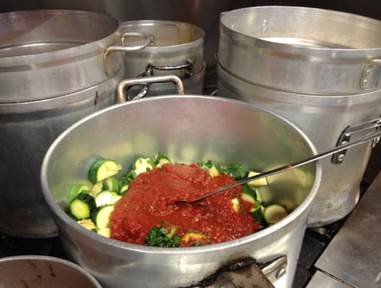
(150, 202)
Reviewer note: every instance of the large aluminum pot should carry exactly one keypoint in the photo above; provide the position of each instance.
(176, 48)
(328, 121)
(27, 129)
(302, 50)
(43, 272)
(50, 53)
(187, 128)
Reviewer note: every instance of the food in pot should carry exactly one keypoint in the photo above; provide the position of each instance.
(142, 206)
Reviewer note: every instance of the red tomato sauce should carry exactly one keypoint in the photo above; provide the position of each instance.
(150, 201)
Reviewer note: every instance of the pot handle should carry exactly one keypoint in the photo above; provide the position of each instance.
(128, 83)
(369, 77)
(350, 131)
(245, 272)
(148, 39)
(187, 67)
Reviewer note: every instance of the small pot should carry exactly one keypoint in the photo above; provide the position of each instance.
(43, 272)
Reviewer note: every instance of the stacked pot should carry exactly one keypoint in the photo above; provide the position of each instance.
(52, 73)
(175, 48)
(321, 70)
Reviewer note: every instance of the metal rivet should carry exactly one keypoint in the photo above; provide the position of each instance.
(280, 272)
(340, 158)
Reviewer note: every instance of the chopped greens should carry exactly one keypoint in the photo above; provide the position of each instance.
(163, 237)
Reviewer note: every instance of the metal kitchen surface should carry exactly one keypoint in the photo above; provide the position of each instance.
(321, 279)
(354, 255)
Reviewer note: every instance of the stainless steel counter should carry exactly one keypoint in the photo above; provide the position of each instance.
(321, 279)
(354, 254)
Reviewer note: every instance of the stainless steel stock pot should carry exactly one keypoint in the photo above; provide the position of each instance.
(176, 48)
(302, 50)
(49, 53)
(320, 70)
(187, 128)
(56, 66)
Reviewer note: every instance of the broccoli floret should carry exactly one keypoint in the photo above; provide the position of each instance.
(236, 171)
(163, 237)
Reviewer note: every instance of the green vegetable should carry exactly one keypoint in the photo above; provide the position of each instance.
(142, 165)
(274, 213)
(97, 188)
(194, 239)
(103, 169)
(101, 216)
(256, 183)
(74, 190)
(160, 160)
(106, 198)
(212, 169)
(257, 213)
(87, 224)
(249, 194)
(111, 184)
(81, 206)
(163, 237)
(237, 171)
(127, 178)
(235, 204)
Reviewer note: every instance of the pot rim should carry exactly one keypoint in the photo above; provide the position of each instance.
(45, 58)
(60, 213)
(67, 263)
(291, 49)
(174, 47)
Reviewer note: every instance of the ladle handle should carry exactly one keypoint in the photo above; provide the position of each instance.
(303, 162)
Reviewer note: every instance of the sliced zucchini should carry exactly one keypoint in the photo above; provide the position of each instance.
(235, 204)
(97, 188)
(106, 198)
(123, 189)
(274, 213)
(87, 224)
(111, 184)
(105, 232)
(257, 213)
(248, 198)
(213, 171)
(76, 189)
(81, 206)
(210, 167)
(103, 169)
(142, 165)
(249, 194)
(256, 183)
(101, 216)
(160, 160)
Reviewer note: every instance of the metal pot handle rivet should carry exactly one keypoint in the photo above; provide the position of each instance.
(148, 39)
(368, 80)
(128, 83)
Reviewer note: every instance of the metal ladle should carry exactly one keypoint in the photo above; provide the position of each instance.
(285, 168)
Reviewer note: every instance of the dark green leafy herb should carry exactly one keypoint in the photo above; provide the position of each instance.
(163, 237)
